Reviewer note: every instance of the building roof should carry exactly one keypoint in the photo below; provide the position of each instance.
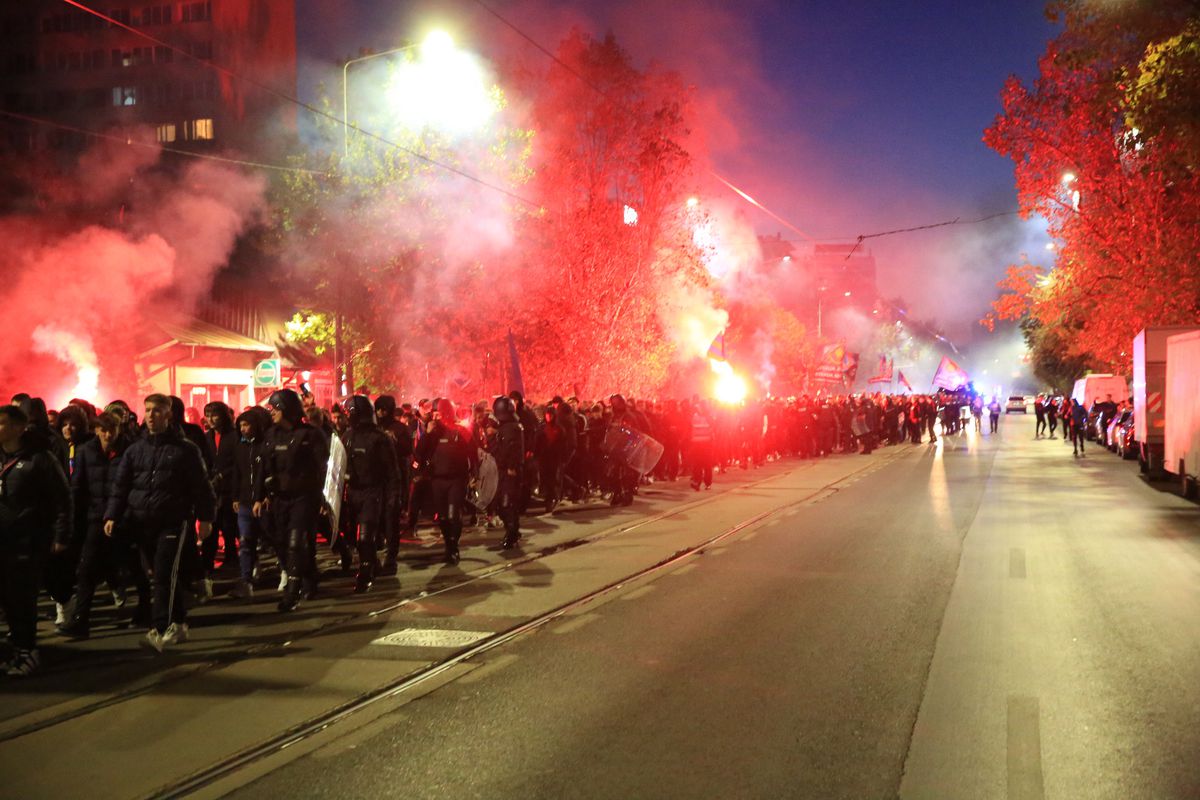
(197, 333)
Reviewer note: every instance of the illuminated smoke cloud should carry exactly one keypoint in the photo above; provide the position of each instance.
(81, 295)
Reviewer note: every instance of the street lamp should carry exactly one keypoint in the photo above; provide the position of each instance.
(346, 94)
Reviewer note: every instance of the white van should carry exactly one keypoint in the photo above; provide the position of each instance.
(1093, 388)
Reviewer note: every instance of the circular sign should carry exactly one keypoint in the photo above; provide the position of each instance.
(266, 373)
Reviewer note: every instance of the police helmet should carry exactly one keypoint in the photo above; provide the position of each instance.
(359, 410)
(504, 408)
(287, 403)
(618, 403)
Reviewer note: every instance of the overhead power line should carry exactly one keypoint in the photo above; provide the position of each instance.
(582, 79)
(132, 142)
(308, 107)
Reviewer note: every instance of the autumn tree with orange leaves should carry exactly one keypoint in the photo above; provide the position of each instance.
(1106, 144)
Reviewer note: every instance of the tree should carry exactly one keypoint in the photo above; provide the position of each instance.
(608, 138)
(1122, 203)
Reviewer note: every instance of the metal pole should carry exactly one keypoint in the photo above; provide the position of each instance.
(346, 94)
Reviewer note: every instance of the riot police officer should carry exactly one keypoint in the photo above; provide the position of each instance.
(452, 457)
(508, 448)
(396, 495)
(290, 483)
(371, 477)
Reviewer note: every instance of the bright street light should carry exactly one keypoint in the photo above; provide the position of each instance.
(446, 88)
(692, 202)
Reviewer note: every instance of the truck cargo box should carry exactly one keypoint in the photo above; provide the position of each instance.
(1181, 441)
(1149, 381)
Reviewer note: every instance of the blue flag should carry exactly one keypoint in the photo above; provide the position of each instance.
(514, 367)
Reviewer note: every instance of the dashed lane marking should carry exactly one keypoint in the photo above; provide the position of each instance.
(1024, 749)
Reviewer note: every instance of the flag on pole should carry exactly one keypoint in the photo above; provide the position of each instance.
(884, 373)
(716, 350)
(903, 381)
(950, 375)
(830, 367)
(514, 366)
(850, 368)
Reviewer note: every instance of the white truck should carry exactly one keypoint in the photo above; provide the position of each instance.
(1181, 440)
(1150, 393)
(1099, 387)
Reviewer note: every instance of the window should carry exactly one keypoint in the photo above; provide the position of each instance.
(166, 133)
(198, 129)
(124, 96)
(196, 12)
(120, 15)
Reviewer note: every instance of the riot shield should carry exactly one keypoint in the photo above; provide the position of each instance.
(335, 480)
(486, 482)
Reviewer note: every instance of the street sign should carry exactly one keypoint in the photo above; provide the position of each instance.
(267, 373)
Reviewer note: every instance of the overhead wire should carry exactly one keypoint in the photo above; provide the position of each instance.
(582, 79)
(134, 142)
(281, 95)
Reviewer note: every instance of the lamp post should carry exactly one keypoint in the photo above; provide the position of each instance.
(346, 94)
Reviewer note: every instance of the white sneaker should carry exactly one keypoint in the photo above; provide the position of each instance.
(154, 640)
(176, 633)
(60, 614)
(208, 590)
(282, 579)
(119, 597)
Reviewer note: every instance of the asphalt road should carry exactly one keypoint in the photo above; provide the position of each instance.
(988, 618)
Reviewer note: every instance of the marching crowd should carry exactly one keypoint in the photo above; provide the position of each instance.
(94, 496)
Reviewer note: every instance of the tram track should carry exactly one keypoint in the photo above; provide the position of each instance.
(232, 764)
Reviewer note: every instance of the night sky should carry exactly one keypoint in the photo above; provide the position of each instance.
(844, 118)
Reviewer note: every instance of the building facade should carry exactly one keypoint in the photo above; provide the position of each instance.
(62, 65)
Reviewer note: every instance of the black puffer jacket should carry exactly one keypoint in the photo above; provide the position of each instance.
(92, 483)
(35, 500)
(161, 480)
(223, 446)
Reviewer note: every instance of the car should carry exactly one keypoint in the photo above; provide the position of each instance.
(1015, 404)
(1110, 435)
(1127, 446)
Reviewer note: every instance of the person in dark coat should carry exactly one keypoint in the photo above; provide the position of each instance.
(452, 458)
(508, 448)
(371, 477)
(295, 457)
(395, 501)
(221, 440)
(35, 520)
(160, 491)
(252, 425)
(111, 557)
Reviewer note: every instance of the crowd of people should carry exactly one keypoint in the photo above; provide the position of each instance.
(158, 505)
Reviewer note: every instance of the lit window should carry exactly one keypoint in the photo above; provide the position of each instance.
(124, 96)
(198, 129)
(166, 133)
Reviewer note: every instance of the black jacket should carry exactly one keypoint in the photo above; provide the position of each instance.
(161, 480)
(508, 446)
(294, 462)
(370, 458)
(223, 456)
(449, 451)
(247, 463)
(92, 483)
(35, 500)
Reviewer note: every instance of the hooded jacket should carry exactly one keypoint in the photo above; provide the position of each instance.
(35, 500)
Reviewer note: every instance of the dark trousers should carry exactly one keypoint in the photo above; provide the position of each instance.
(994, 421)
(107, 558)
(449, 495)
(225, 526)
(162, 547)
(20, 577)
(702, 463)
(1078, 438)
(295, 518)
(508, 502)
(365, 508)
(1040, 428)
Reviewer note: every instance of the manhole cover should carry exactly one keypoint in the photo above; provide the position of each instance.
(422, 637)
